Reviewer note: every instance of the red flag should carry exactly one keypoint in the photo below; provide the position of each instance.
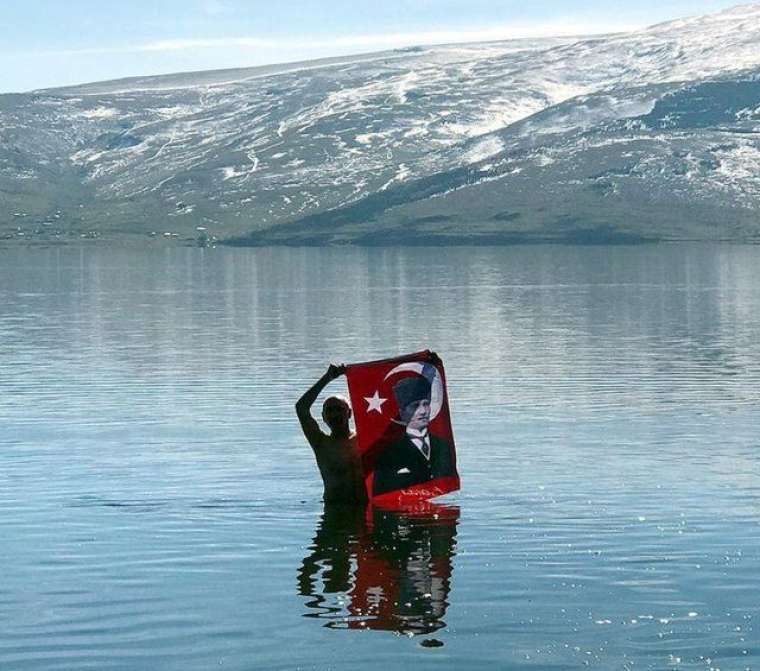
(403, 426)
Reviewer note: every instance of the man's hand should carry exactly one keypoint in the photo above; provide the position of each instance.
(303, 405)
(334, 371)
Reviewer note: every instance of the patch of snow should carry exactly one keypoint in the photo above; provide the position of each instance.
(342, 100)
(100, 113)
(369, 138)
(592, 113)
(748, 113)
(739, 170)
(405, 84)
(86, 156)
(497, 114)
(484, 149)
(230, 172)
(174, 111)
(543, 160)
(179, 213)
(482, 180)
(402, 173)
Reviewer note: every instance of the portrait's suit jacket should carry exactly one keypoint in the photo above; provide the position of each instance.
(402, 465)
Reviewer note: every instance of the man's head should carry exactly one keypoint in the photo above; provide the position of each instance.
(413, 399)
(336, 412)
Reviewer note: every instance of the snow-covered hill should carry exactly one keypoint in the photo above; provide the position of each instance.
(653, 134)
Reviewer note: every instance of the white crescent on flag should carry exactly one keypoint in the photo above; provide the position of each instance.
(436, 384)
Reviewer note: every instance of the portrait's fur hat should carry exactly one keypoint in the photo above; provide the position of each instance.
(411, 390)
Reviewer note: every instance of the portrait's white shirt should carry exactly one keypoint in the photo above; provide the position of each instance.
(421, 440)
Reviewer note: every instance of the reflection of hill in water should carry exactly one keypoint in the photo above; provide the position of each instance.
(614, 325)
(379, 569)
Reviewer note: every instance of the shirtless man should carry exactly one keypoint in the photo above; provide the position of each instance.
(336, 453)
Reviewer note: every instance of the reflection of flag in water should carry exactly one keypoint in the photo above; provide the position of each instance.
(381, 569)
(403, 574)
(404, 428)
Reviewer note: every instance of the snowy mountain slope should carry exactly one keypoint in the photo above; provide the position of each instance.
(672, 171)
(521, 140)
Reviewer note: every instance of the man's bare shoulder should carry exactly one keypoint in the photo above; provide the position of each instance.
(313, 433)
(349, 442)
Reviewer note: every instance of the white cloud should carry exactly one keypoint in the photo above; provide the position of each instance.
(215, 43)
(214, 7)
(370, 41)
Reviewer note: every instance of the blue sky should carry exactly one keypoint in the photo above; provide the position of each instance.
(47, 43)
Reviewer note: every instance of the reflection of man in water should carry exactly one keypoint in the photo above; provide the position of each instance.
(390, 572)
(336, 453)
(418, 456)
(332, 555)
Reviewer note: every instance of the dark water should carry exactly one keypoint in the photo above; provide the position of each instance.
(160, 510)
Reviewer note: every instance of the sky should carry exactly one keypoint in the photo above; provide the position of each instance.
(48, 43)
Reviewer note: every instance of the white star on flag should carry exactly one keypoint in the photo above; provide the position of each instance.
(375, 403)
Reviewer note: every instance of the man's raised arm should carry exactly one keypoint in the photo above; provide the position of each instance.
(303, 404)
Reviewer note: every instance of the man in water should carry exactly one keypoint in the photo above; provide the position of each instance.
(418, 456)
(336, 453)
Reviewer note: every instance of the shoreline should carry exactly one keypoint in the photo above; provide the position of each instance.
(134, 242)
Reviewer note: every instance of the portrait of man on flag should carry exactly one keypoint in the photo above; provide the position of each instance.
(404, 428)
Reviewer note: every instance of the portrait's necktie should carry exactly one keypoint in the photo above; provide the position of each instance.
(425, 445)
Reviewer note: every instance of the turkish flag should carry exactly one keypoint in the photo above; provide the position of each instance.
(403, 428)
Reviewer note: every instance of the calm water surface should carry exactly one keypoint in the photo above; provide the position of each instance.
(159, 508)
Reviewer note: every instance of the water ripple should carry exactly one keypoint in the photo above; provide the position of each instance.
(161, 510)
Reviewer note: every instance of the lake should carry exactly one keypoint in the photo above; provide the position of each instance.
(161, 509)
